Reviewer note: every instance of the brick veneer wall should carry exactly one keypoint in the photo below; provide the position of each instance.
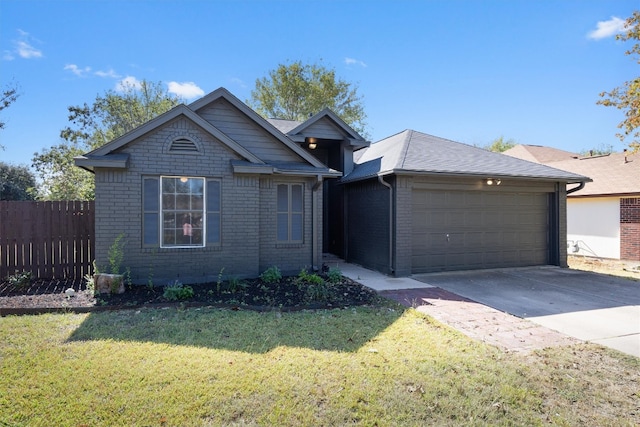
(630, 228)
(248, 236)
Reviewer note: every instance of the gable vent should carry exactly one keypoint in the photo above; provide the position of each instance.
(183, 145)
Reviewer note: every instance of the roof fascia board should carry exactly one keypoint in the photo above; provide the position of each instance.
(112, 162)
(473, 175)
(247, 169)
(576, 180)
(327, 173)
(258, 119)
(602, 195)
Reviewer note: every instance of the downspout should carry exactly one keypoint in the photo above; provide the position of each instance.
(314, 222)
(578, 188)
(386, 184)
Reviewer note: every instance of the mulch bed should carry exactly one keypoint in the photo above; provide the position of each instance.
(40, 296)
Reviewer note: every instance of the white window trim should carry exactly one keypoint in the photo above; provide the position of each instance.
(204, 213)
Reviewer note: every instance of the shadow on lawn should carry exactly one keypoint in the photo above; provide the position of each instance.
(342, 330)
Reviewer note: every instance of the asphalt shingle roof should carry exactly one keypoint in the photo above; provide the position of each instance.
(539, 153)
(611, 174)
(615, 173)
(415, 152)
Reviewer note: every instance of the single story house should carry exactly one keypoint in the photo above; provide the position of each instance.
(213, 187)
(603, 218)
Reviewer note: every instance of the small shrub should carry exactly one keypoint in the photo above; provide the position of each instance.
(317, 292)
(219, 282)
(271, 275)
(304, 278)
(334, 275)
(236, 285)
(116, 254)
(177, 291)
(90, 283)
(20, 280)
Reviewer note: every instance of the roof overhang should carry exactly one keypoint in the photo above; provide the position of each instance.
(244, 167)
(481, 175)
(111, 161)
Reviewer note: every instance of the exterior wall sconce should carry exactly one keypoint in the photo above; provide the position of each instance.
(312, 143)
(491, 181)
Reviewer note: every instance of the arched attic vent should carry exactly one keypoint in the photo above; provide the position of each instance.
(183, 145)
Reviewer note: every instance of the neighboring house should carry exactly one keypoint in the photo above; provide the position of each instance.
(213, 187)
(603, 218)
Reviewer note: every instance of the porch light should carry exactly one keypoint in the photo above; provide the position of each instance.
(312, 143)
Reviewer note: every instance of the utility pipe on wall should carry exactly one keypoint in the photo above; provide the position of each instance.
(390, 187)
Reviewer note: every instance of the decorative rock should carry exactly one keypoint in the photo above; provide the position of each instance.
(70, 292)
(108, 283)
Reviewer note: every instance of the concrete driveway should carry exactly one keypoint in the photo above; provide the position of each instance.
(588, 306)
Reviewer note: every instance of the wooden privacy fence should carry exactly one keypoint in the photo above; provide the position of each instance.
(49, 239)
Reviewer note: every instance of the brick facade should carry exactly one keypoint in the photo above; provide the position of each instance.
(630, 228)
(248, 202)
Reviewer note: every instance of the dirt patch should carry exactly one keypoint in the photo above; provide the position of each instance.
(613, 267)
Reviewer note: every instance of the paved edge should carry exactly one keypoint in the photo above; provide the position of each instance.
(479, 321)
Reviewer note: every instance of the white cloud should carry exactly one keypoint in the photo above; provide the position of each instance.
(80, 72)
(127, 84)
(352, 61)
(109, 73)
(26, 51)
(186, 90)
(22, 47)
(239, 82)
(608, 28)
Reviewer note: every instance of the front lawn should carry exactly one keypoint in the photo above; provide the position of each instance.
(362, 366)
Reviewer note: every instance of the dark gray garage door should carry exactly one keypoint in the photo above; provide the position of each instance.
(462, 230)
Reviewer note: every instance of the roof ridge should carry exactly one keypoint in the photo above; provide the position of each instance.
(405, 148)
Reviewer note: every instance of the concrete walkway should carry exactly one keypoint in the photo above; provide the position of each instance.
(473, 319)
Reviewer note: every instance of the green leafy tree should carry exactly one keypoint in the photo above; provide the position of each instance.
(499, 145)
(9, 96)
(600, 150)
(627, 96)
(297, 91)
(16, 182)
(109, 117)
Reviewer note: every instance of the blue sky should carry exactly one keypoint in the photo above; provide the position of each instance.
(470, 71)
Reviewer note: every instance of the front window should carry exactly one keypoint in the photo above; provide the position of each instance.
(182, 211)
(289, 212)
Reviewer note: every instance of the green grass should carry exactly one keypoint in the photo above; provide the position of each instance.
(363, 366)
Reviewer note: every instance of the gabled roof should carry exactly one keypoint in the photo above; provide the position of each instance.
(411, 152)
(612, 174)
(98, 156)
(106, 155)
(539, 154)
(354, 137)
(262, 122)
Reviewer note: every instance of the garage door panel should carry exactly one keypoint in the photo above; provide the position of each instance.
(485, 230)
